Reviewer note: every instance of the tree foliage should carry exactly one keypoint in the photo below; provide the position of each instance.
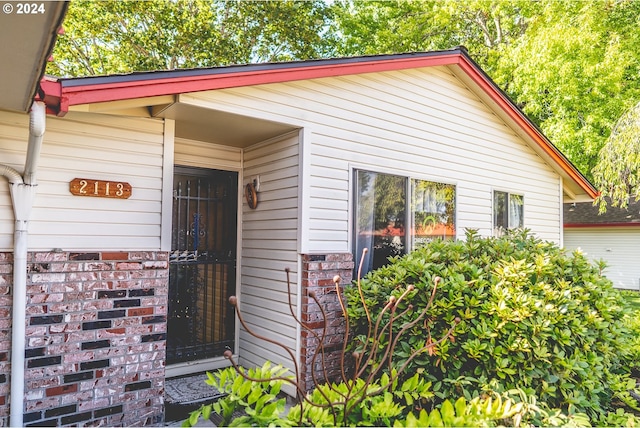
(482, 26)
(104, 37)
(574, 73)
(617, 175)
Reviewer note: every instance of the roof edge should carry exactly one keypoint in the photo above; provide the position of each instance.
(59, 11)
(67, 92)
(95, 89)
(475, 72)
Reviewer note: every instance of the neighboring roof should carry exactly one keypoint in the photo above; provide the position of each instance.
(585, 214)
(61, 94)
(27, 43)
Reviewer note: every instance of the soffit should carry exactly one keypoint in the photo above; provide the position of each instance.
(204, 124)
(194, 122)
(27, 42)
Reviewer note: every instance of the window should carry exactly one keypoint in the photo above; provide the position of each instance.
(507, 211)
(388, 223)
(432, 211)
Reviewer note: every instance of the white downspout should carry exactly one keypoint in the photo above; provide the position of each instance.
(11, 174)
(37, 120)
(22, 194)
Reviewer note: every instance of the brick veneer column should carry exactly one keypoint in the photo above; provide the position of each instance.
(318, 272)
(96, 330)
(6, 279)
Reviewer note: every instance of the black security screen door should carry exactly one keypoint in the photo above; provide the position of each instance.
(202, 264)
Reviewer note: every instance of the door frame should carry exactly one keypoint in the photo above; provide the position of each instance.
(209, 364)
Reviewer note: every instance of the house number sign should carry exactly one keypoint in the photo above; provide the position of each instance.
(100, 188)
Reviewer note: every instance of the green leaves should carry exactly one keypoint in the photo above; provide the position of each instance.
(257, 399)
(543, 320)
(617, 173)
(362, 402)
(120, 36)
(479, 412)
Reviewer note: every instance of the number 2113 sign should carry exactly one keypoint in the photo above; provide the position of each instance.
(99, 188)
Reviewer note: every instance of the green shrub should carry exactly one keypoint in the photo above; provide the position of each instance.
(385, 409)
(256, 400)
(492, 411)
(360, 402)
(385, 402)
(533, 317)
(632, 321)
(618, 418)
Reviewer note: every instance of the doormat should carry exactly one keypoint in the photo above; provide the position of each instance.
(185, 394)
(190, 390)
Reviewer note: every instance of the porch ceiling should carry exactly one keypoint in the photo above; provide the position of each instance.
(204, 124)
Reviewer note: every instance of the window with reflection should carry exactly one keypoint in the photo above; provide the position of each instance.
(389, 223)
(433, 210)
(508, 211)
(380, 217)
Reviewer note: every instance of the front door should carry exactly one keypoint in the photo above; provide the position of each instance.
(202, 265)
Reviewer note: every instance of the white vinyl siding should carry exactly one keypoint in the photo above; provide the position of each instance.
(84, 145)
(269, 245)
(207, 155)
(618, 247)
(423, 123)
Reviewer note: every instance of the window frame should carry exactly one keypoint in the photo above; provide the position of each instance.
(410, 211)
(409, 241)
(499, 230)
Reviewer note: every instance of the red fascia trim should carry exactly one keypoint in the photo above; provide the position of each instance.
(87, 94)
(517, 117)
(51, 94)
(598, 225)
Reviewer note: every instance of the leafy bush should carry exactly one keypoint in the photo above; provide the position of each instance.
(533, 318)
(360, 402)
(247, 402)
(385, 409)
(632, 320)
(488, 411)
(252, 401)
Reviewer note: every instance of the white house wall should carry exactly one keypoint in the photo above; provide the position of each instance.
(84, 145)
(423, 122)
(618, 247)
(206, 155)
(269, 245)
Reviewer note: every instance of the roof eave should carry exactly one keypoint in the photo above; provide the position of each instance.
(567, 169)
(89, 90)
(28, 41)
(64, 93)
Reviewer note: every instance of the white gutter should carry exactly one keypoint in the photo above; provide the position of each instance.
(22, 194)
